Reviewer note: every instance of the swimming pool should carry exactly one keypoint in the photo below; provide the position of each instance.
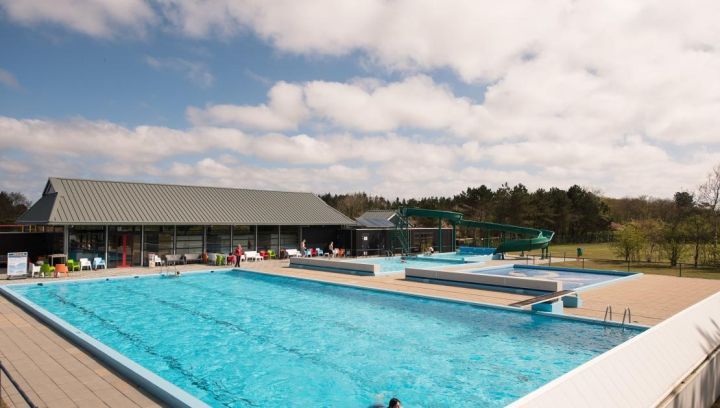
(245, 339)
(398, 264)
(572, 279)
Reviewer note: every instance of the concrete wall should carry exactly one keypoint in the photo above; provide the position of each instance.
(480, 279)
(667, 366)
(367, 269)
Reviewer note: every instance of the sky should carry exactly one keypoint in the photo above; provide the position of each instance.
(395, 98)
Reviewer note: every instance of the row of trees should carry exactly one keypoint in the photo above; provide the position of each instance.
(12, 205)
(576, 214)
(686, 226)
(640, 228)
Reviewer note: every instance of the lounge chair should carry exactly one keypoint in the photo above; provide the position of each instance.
(98, 262)
(172, 259)
(85, 263)
(292, 253)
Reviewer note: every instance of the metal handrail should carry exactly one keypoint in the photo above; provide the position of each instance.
(627, 314)
(608, 309)
(17, 387)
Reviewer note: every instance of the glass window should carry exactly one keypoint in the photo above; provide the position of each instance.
(218, 239)
(245, 236)
(86, 242)
(289, 237)
(159, 239)
(123, 246)
(189, 239)
(267, 237)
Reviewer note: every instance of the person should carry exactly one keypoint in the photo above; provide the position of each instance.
(303, 248)
(238, 254)
(331, 249)
(394, 403)
(430, 251)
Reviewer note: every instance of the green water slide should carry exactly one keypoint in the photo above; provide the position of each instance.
(532, 238)
(536, 238)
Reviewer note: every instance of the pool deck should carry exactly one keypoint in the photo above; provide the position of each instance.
(55, 373)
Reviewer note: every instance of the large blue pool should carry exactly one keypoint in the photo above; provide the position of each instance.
(247, 339)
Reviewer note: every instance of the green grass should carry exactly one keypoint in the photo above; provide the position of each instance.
(602, 256)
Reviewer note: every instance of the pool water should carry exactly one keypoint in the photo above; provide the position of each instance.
(571, 280)
(242, 339)
(398, 264)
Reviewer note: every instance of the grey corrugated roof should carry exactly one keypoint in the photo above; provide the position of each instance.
(74, 201)
(377, 219)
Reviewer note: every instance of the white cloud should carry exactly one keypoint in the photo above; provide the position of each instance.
(285, 110)
(392, 165)
(8, 79)
(197, 72)
(98, 18)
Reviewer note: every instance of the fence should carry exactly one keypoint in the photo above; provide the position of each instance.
(682, 269)
(11, 395)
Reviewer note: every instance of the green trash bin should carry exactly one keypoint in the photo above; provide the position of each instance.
(579, 252)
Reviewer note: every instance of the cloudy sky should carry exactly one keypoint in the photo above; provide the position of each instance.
(397, 98)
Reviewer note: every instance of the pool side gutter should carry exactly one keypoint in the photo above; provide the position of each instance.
(142, 377)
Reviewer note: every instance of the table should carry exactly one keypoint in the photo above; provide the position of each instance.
(51, 258)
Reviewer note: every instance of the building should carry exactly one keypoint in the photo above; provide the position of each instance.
(373, 235)
(124, 221)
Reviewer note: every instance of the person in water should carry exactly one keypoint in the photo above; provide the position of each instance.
(394, 403)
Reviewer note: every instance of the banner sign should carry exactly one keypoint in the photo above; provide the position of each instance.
(17, 264)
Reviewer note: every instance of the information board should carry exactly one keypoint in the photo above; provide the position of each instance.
(17, 264)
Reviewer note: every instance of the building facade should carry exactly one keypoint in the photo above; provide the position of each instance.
(122, 222)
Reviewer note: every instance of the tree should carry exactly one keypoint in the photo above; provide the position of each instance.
(629, 242)
(12, 205)
(709, 198)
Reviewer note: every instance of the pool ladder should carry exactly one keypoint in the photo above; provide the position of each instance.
(627, 315)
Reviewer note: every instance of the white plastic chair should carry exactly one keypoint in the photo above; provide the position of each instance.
(158, 260)
(34, 270)
(85, 263)
(98, 262)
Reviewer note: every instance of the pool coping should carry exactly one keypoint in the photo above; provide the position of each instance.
(173, 394)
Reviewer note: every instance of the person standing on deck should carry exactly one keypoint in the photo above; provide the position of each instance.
(238, 253)
(303, 248)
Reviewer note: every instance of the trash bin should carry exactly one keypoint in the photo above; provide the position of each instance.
(579, 252)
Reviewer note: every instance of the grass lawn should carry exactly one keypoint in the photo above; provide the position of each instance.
(602, 256)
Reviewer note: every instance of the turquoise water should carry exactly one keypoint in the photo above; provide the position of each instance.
(397, 264)
(571, 280)
(244, 339)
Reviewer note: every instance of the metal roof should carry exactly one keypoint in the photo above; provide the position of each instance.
(377, 219)
(75, 201)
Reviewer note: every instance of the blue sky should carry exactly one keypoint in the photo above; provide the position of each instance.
(393, 98)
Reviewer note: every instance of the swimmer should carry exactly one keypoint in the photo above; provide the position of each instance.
(394, 403)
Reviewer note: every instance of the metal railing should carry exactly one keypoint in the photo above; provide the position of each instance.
(4, 373)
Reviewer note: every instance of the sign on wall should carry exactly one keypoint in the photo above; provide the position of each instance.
(17, 264)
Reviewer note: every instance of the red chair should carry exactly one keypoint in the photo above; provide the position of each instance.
(341, 252)
(264, 254)
(313, 252)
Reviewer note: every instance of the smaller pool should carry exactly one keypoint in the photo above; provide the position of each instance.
(397, 264)
(457, 256)
(572, 279)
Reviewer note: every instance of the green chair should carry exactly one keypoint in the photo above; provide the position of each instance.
(72, 265)
(47, 270)
(272, 254)
(219, 260)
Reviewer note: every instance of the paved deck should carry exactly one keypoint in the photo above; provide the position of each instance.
(57, 374)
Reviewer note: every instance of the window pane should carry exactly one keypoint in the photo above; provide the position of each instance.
(245, 236)
(189, 239)
(218, 239)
